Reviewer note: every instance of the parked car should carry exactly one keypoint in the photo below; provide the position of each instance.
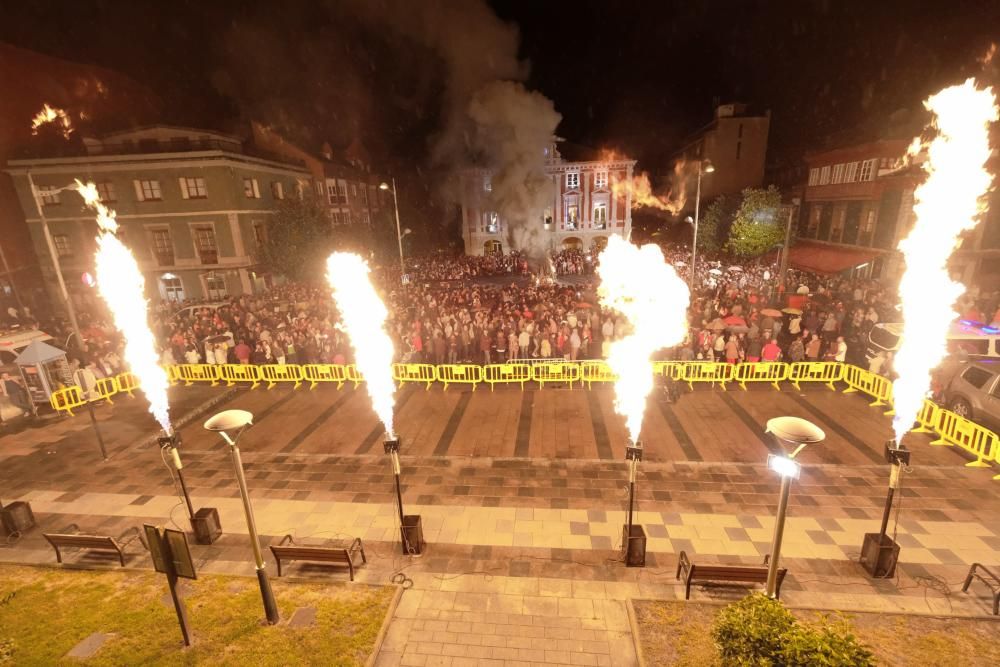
(187, 311)
(14, 340)
(966, 340)
(973, 392)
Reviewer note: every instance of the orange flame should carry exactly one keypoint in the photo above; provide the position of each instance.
(50, 114)
(643, 195)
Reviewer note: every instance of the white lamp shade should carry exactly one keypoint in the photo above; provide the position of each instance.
(795, 430)
(229, 420)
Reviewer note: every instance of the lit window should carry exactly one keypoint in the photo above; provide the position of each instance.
(335, 217)
(215, 286)
(601, 215)
(163, 247)
(148, 190)
(851, 172)
(365, 220)
(572, 180)
(354, 191)
(331, 192)
(492, 222)
(838, 174)
(869, 223)
(364, 196)
(106, 191)
(193, 188)
(259, 235)
(250, 188)
(572, 215)
(867, 170)
(487, 184)
(204, 239)
(814, 176)
(277, 190)
(343, 192)
(347, 217)
(49, 194)
(824, 175)
(61, 242)
(601, 179)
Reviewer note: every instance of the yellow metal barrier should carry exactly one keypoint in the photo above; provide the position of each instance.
(764, 371)
(105, 389)
(707, 371)
(506, 373)
(459, 373)
(316, 373)
(928, 417)
(826, 372)
(424, 373)
(555, 371)
(191, 373)
(128, 382)
(272, 374)
(67, 398)
(673, 370)
(233, 373)
(876, 386)
(596, 371)
(173, 374)
(354, 375)
(973, 438)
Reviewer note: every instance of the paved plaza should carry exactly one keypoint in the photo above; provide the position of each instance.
(522, 495)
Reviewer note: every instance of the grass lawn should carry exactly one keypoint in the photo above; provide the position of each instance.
(678, 633)
(51, 610)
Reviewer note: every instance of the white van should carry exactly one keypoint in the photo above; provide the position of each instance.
(965, 337)
(13, 341)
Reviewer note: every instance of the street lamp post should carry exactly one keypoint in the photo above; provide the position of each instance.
(239, 420)
(704, 167)
(799, 433)
(399, 232)
(54, 256)
(783, 270)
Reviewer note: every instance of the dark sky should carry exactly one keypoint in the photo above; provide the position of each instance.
(635, 75)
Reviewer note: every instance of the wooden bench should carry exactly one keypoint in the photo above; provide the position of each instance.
(342, 554)
(70, 536)
(992, 581)
(729, 573)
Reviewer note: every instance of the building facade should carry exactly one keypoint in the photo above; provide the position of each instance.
(590, 201)
(192, 205)
(736, 144)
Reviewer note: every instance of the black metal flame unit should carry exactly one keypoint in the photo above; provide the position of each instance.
(204, 522)
(633, 537)
(411, 531)
(879, 552)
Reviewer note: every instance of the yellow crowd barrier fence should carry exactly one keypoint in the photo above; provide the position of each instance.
(106, 388)
(459, 374)
(233, 373)
(67, 398)
(708, 371)
(316, 373)
(555, 371)
(128, 382)
(354, 375)
(424, 373)
(826, 372)
(764, 371)
(673, 370)
(494, 374)
(191, 373)
(272, 374)
(876, 386)
(596, 371)
(973, 438)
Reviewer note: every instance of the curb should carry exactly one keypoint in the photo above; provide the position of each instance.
(634, 626)
(384, 630)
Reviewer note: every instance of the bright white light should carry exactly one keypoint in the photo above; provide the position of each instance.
(949, 202)
(784, 466)
(362, 316)
(122, 286)
(639, 284)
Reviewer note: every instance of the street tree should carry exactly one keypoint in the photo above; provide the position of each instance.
(714, 223)
(756, 225)
(299, 239)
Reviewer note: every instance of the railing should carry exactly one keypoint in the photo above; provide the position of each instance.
(950, 429)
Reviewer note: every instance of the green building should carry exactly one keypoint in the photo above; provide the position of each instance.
(193, 206)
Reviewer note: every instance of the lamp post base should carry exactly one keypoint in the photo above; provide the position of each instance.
(879, 555)
(634, 545)
(267, 595)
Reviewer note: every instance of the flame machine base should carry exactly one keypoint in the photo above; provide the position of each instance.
(634, 545)
(879, 552)
(17, 517)
(411, 530)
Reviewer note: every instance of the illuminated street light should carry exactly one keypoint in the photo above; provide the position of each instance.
(799, 433)
(705, 166)
(239, 420)
(399, 234)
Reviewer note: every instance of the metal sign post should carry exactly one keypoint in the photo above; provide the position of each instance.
(172, 556)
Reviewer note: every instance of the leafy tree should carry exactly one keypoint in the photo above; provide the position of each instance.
(299, 239)
(713, 223)
(756, 226)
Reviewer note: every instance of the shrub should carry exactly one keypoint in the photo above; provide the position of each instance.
(760, 632)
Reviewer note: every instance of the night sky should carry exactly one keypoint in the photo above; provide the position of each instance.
(637, 76)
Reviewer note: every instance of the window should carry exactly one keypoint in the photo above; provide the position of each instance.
(824, 175)
(215, 287)
(346, 216)
(277, 189)
(204, 241)
(869, 223)
(331, 192)
(814, 176)
(49, 194)
(354, 191)
(492, 222)
(334, 217)
(343, 192)
(838, 174)
(106, 191)
(365, 220)
(364, 196)
(61, 242)
(976, 347)
(193, 188)
(867, 170)
(573, 180)
(487, 184)
(250, 188)
(572, 215)
(976, 376)
(147, 190)
(163, 247)
(601, 180)
(851, 172)
(259, 235)
(601, 215)
(173, 288)
(547, 218)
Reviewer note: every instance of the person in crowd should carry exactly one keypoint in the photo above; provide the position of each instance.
(17, 394)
